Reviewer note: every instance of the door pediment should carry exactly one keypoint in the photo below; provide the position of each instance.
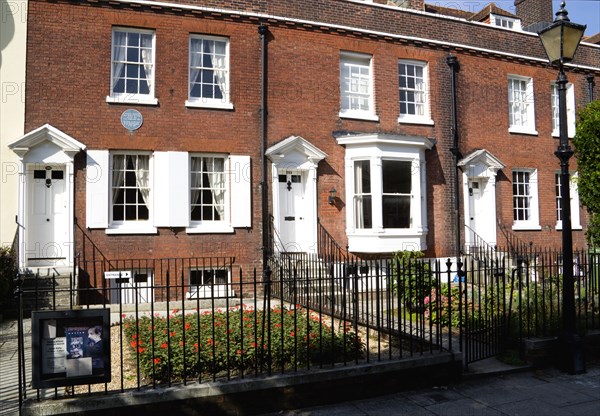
(47, 140)
(295, 152)
(481, 164)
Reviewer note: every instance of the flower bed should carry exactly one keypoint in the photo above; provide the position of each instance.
(211, 343)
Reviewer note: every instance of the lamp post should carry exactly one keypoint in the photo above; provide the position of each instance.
(560, 41)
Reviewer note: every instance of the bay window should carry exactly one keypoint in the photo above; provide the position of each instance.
(385, 180)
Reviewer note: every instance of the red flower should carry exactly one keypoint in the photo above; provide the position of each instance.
(175, 310)
(187, 326)
(292, 334)
(156, 360)
(164, 345)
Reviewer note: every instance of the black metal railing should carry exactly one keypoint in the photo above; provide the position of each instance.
(188, 320)
(328, 248)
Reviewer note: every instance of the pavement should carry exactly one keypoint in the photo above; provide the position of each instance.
(489, 388)
(546, 392)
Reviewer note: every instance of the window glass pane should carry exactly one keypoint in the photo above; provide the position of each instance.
(207, 190)
(132, 62)
(362, 198)
(39, 174)
(355, 82)
(412, 86)
(521, 196)
(396, 177)
(130, 187)
(205, 81)
(396, 211)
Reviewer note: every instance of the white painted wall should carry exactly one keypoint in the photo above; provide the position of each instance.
(13, 36)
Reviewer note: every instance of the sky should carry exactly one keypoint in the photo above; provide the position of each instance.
(586, 12)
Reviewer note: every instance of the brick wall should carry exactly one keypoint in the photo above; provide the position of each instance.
(69, 74)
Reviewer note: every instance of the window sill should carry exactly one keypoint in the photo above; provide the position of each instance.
(366, 241)
(219, 291)
(556, 134)
(520, 130)
(131, 230)
(210, 229)
(526, 227)
(577, 227)
(416, 120)
(217, 105)
(359, 116)
(131, 100)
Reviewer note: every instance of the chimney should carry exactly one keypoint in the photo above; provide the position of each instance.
(406, 4)
(534, 14)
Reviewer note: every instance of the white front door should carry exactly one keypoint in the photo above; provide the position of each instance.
(47, 228)
(475, 206)
(292, 216)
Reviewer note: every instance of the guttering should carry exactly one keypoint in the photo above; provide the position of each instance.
(263, 31)
(454, 66)
(591, 84)
(274, 18)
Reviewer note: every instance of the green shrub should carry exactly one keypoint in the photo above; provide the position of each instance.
(8, 270)
(412, 279)
(211, 343)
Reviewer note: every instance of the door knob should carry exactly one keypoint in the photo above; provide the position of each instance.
(47, 219)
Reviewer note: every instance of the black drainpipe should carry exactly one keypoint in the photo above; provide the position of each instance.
(591, 83)
(453, 64)
(263, 31)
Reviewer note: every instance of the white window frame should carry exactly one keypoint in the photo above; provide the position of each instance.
(574, 194)
(130, 226)
(505, 22)
(377, 148)
(361, 196)
(532, 222)
(211, 226)
(203, 291)
(133, 98)
(570, 110)
(209, 102)
(425, 117)
(521, 105)
(361, 62)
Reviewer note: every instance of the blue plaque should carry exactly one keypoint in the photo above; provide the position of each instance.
(131, 119)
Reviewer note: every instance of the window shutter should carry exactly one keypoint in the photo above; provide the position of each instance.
(97, 192)
(171, 189)
(240, 185)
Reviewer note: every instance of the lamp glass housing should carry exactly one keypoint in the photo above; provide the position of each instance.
(561, 39)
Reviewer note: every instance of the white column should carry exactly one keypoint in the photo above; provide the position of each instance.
(377, 194)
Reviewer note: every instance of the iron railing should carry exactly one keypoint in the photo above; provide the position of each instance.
(201, 319)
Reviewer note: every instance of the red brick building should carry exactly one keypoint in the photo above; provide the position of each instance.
(148, 120)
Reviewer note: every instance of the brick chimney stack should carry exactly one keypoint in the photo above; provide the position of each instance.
(534, 14)
(407, 4)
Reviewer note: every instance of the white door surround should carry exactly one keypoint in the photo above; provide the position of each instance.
(45, 213)
(294, 183)
(479, 190)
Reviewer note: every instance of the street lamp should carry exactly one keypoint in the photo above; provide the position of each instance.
(560, 40)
